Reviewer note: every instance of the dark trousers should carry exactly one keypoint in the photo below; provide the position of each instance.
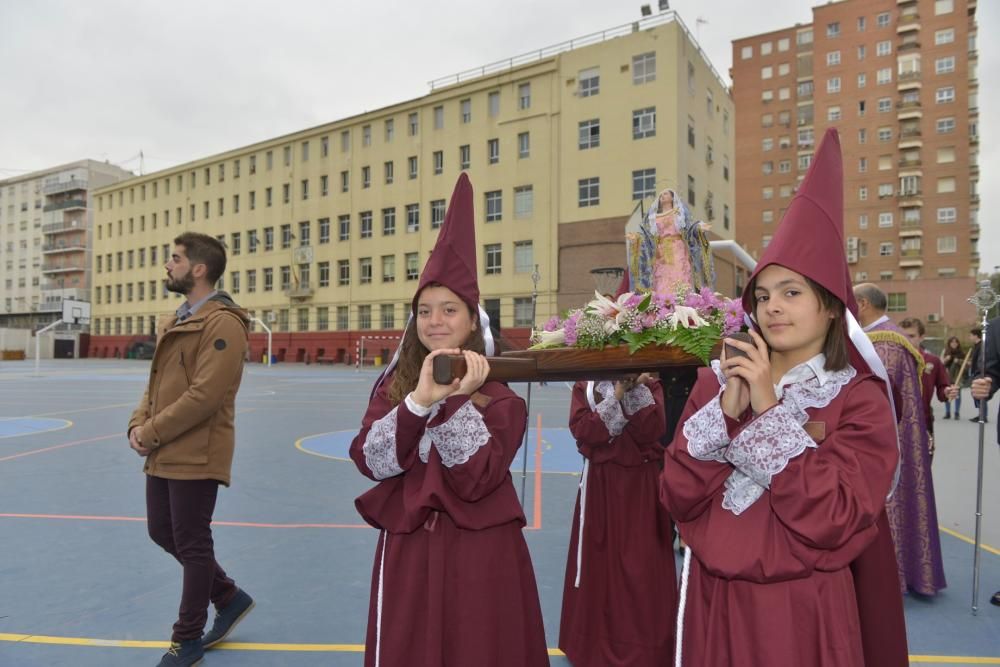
(179, 518)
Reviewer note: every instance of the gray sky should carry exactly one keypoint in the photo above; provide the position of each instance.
(181, 80)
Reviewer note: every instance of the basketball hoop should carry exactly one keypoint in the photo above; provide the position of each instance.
(607, 279)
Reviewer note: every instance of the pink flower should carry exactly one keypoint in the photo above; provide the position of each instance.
(569, 326)
(552, 324)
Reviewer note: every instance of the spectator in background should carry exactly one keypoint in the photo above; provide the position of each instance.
(952, 358)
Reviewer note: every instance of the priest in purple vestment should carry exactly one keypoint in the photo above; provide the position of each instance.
(912, 510)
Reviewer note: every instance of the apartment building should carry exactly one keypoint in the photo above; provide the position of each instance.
(898, 79)
(45, 223)
(328, 228)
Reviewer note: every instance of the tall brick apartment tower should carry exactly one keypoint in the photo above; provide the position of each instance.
(898, 79)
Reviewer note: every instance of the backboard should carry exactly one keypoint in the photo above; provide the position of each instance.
(75, 312)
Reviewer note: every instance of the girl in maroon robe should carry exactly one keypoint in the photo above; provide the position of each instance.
(452, 582)
(788, 451)
(620, 592)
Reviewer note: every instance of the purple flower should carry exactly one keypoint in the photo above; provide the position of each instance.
(552, 324)
(570, 327)
(634, 300)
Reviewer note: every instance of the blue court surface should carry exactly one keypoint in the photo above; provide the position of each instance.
(82, 585)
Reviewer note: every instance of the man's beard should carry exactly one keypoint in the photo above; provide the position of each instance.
(181, 285)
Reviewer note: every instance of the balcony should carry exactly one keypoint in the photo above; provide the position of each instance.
(69, 267)
(908, 45)
(912, 162)
(301, 292)
(57, 292)
(911, 224)
(974, 230)
(64, 226)
(66, 205)
(908, 104)
(974, 169)
(65, 186)
(913, 75)
(973, 138)
(974, 200)
(56, 248)
(910, 133)
(908, 21)
(903, 3)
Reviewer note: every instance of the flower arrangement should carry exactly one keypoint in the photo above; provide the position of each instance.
(693, 321)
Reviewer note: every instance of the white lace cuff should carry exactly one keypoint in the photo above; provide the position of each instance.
(611, 414)
(416, 408)
(636, 399)
(767, 444)
(380, 447)
(741, 492)
(461, 436)
(706, 432)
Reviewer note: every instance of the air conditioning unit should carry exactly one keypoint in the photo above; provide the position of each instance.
(852, 256)
(933, 317)
(852, 243)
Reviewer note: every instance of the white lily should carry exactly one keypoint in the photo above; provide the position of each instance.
(685, 316)
(557, 337)
(602, 305)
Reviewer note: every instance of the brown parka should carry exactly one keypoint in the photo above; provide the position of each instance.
(187, 412)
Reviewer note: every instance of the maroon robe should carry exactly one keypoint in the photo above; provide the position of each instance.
(622, 612)
(452, 572)
(770, 585)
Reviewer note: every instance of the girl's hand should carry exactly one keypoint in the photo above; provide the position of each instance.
(755, 371)
(475, 376)
(429, 392)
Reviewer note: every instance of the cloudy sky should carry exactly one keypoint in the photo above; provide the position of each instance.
(180, 80)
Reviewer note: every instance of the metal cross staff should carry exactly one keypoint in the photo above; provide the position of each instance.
(984, 299)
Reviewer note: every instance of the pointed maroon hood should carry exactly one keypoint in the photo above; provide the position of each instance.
(453, 261)
(810, 237)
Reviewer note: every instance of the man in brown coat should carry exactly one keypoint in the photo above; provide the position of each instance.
(184, 429)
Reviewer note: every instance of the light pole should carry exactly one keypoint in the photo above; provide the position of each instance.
(535, 277)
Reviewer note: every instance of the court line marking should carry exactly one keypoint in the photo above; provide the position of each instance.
(966, 538)
(74, 443)
(354, 648)
(65, 425)
(142, 519)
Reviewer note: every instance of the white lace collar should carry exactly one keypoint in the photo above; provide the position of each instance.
(881, 320)
(807, 370)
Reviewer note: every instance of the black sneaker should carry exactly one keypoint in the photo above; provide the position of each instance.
(227, 619)
(187, 653)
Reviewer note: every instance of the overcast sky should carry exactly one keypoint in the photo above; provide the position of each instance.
(180, 80)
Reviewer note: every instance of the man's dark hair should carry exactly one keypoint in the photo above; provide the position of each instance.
(977, 332)
(913, 323)
(203, 249)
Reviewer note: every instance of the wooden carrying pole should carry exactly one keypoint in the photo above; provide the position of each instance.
(564, 364)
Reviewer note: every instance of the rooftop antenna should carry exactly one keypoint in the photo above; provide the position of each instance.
(697, 26)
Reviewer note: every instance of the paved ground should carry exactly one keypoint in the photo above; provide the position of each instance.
(82, 585)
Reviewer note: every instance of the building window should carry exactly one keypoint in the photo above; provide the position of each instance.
(883, 48)
(412, 218)
(438, 117)
(390, 130)
(943, 7)
(691, 197)
(268, 279)
(589, 192)
(644, 67)
(882, 20)
(690, 133)
(343, 318)
(885, 134)
(524, 96)
(767, 168)
(344, 272)
(343, 227)
(524, 201)
(364, 317)
(324, 185)
(324, 230)
(746, 53)
(366, 177)
(524, 257)
(589, 82)
(590, 134)
(345, 181)
(365, 270)
(437, 213)
(863, 193)
(523, 311)
(862, 80)
(411, 167)
(523, 145)
(885, 219)
(388, 221)
(884, 76)
(390, 172)
(345, 141)
(833, 114)
(945, 95)
(286, 278)
(644, 123)
(833, 58)
(946, 36)
(884, 105)
(464, 156)
(388, 316)
(494, 259)
(833, 85)
(286, 236)
(885, 249)
(945, 125)
(388, 268)
(366, 135)
(365, 220)
(493, 104)
(412, 265)
(412, 124)
(493, 150)
(494, 206)
(947, 215)
(833, 29)
(643, 183)
(944, 65)
(465, 109)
